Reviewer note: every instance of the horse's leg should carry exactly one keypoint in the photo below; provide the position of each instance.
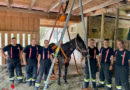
(60, 67)
(66, 70)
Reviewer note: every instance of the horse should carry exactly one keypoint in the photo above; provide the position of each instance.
(68, 48)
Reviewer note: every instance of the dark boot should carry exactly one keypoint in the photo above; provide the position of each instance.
(59, 81)
(95, 88)
(20, 81)
(109, 88)
(33, 83)
(29, 83)
(36, 88)
(86, 84)
(12, 81)
(100, 86)
(94, 84)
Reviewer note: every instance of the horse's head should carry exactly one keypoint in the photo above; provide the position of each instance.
(80, 45)
(53, 47)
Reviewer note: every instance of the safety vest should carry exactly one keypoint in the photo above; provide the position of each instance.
(30, 52)
(106, 54)
(123, 57)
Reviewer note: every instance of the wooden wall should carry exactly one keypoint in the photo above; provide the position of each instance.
(18, 23)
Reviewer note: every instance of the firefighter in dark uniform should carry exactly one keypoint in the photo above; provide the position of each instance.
(13, 60)
(122, 67)
(106, 61)
(30, 55)
(44, 63)
(94, 63)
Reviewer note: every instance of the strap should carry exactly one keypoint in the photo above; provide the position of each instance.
(37, 51)
(123, 59)
(19, 50)
(106, 55)
(94, 53)
(30, 52)
(43, 55)
(63, 54)
(11, 53)
(48, 55)
(115, 53)
(101, 53)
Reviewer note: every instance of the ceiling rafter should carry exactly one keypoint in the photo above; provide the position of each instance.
(105, 4)
(32, 3)
(8, 3)
(56, 4)
(41, 14)
(84, 3)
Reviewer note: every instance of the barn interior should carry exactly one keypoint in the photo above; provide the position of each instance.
(27, 19)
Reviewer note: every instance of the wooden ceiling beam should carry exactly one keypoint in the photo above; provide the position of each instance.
(103, 5)
(84, 3)
(40, 14)
(110, 9)
(8, 3)
(32, 3)
(56, 4)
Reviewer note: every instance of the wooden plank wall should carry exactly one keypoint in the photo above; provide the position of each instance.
(18, 23)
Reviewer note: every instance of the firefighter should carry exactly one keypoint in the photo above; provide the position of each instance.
(13, 60)
(122, 66)
(44, 63)
(106, 61)
(94, 63)
(30, 54)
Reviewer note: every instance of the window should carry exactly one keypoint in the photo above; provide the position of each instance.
(29, 39)
(23, 40)
(18, 38)
(6, 39)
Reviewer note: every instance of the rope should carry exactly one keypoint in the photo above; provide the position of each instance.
(55, 23)
(54, 47)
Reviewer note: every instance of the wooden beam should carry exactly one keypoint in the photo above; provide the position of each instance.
(102, 27)
(32, 4)
(57, 26)
(84, 3)
(56, 4)
(110, 9)
(40, 14)
(53, 6)
(8, 3)
(116, 27)
(105, 4)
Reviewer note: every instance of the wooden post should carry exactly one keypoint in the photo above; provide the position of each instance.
(116, 27)
(3, 44)
(102, 29)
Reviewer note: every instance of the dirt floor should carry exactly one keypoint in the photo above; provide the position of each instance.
(75, 81)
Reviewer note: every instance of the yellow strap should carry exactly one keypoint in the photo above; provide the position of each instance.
(33, 79)
(93, 80)
(19, 77)
(37, 84)
(108, 85)
(29, 79)
(86, 80)
(102, 82)
(11, 78)
(119, 87)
